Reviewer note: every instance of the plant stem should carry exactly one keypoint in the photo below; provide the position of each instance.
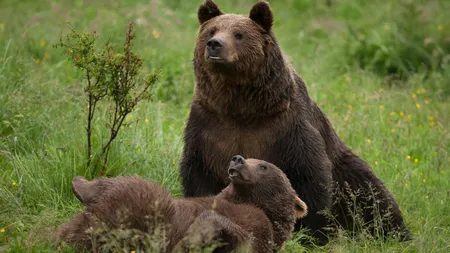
(89, 121)
(114, 132)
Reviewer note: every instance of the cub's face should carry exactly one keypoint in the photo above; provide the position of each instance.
(233, 41)
(265, 180)
(256, 173)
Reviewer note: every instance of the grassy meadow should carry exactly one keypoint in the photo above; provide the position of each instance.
(380, 70)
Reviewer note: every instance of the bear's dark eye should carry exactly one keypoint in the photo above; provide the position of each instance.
(212, 32)
(262, 166)
(238, 36)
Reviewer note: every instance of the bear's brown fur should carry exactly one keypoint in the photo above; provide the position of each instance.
(257, 210)
(245, 88)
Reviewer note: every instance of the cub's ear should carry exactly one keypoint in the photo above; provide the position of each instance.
(207, 11)
(300, 208)
(82, 189)
(262, 15)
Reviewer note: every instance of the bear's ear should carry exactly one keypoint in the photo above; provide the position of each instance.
(300, 208)
(207, 11)
(82, 189)
(262, 15)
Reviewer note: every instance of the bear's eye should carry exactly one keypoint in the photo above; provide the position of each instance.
(238, 36)
(262, 166)
(212, 32)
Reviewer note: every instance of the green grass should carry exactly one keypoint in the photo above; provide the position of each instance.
(399, 126)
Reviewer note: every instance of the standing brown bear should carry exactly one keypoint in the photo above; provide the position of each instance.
(246, 88)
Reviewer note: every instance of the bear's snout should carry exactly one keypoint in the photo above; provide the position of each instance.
(238, 160)
(214, 46)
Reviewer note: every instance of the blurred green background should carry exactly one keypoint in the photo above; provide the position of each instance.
(380, 70)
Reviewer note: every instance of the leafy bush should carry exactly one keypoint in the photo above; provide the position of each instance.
(405, 39)
(108, 75)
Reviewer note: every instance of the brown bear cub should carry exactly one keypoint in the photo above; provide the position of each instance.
(255, 213)
(246, 88)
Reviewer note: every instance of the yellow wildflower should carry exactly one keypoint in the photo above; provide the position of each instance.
(427, 196)
(409, 116)
(442, 171)
(37, 60)
(439, 27)
(156, 34)
(393, 113)
(406, 185)
(46, 55)
(401, 114)
(350, 107)
(2, 230)
(431, 118)
(426, 102)
(432, 123)
(424, 180)
(146, 121)
(139, 150)
(393, 130)
(420, 173)
(369, 141)
(416, 160)
(376, 162)
(421, 91)
(381, 106)
(413, 96)
(132, 251)
(417, 106)
(347, 79)
(14, 183)
(43, 43)
(408, 157)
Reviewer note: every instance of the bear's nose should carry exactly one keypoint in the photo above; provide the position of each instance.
(238, 160)
(214, 44)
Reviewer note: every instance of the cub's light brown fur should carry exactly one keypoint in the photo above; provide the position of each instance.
(257, 211)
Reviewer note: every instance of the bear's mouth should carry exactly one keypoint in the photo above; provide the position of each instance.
(232, 173)
(215, 58)
(237, 177)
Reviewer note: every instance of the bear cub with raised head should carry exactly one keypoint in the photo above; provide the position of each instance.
(256, 212)
(246, 88)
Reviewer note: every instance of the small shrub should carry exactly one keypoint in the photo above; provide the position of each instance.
(108, 75)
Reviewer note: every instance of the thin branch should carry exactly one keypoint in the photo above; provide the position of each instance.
(89, 123)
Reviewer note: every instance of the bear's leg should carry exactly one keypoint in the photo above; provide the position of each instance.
(198, 181)
(75, 231)
(304, 159)
(212, 229)
(356, 183)
(317, 199)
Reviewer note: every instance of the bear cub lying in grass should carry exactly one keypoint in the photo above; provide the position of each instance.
(256, 213)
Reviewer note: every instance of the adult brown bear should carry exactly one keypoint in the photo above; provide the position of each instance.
(248, 100)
